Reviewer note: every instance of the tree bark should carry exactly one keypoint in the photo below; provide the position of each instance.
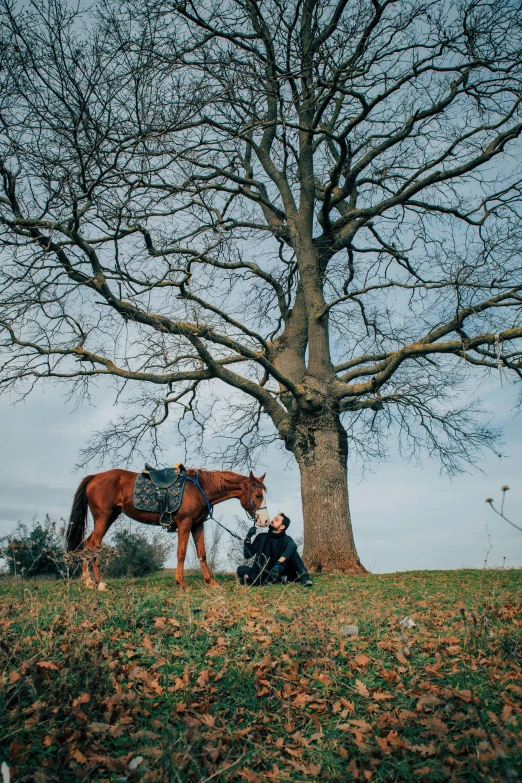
(321, 450)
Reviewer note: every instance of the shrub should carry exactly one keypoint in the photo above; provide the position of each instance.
(35, 551)
(136, 554)
(40, 550)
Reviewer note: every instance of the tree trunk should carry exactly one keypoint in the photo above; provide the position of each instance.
(321, 450)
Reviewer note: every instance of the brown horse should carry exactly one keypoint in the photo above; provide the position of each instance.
(109, 494)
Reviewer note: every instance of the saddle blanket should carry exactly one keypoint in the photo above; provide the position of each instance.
(145, 495)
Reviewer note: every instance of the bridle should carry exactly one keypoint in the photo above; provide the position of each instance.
(250, 502)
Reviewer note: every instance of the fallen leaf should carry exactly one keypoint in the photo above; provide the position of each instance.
(18, 753)
(361, 724)
(382, 742)
(428, 701)
(507, 711)
(301, 699)
(47, 665)
(381, 695)
(203, 678)
(359, 739)
(152, 753)
(361, 689)
(83, 698)
(99, 728)
(146, 642)
(425, 750)
(249, 776)
(79, 757)
(145, 734)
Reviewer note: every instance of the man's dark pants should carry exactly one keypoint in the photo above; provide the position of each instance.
(294, 569)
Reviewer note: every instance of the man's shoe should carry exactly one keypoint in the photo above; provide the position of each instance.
(307, 583)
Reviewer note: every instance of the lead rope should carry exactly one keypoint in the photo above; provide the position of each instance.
(235, 535)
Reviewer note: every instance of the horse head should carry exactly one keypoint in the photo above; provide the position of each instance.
(253, 498)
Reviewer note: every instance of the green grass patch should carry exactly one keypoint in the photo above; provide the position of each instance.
(145, 682)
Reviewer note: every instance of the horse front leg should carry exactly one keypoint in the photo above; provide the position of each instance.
(183, 539)
(198, 534)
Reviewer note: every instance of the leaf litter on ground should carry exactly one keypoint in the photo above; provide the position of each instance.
(146, 683)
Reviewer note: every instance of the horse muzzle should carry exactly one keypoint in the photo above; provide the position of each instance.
(261, 515)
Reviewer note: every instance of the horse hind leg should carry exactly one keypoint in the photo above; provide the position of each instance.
(86, 573)
(101, 525)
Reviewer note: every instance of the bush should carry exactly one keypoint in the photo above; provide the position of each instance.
(136, 554)
(35, 551)
(40, 550)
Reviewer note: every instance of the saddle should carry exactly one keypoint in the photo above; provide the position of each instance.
(164, 477)
(167, 491)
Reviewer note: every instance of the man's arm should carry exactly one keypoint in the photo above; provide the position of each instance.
(289, 550)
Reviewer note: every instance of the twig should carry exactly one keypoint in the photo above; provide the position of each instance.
(224, 769)
(487, 551)
(500, 513)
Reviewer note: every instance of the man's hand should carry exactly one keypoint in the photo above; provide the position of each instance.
(276, 572)
(251, 532)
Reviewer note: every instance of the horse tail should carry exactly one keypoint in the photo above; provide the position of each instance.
(78, 518)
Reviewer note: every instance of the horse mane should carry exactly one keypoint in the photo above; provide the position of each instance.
(220, 480)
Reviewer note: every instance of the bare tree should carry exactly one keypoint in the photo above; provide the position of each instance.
(311, 207)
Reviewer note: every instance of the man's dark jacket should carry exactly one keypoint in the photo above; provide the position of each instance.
(266, 549)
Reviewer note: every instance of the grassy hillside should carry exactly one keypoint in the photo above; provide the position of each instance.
(147, 683)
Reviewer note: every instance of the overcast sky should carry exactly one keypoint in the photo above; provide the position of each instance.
(405, 517)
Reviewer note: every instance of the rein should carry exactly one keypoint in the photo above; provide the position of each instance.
(197, 482)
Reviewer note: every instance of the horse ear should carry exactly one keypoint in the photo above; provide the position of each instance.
(252, 477)
(262, 478)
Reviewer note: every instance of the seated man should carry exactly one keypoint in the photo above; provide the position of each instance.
(275, 556)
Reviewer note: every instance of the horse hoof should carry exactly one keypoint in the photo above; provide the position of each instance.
(183, 586)
(89, 584)
(212, 583)
(102, 587)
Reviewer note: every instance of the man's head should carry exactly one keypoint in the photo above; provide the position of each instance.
(280, 523)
